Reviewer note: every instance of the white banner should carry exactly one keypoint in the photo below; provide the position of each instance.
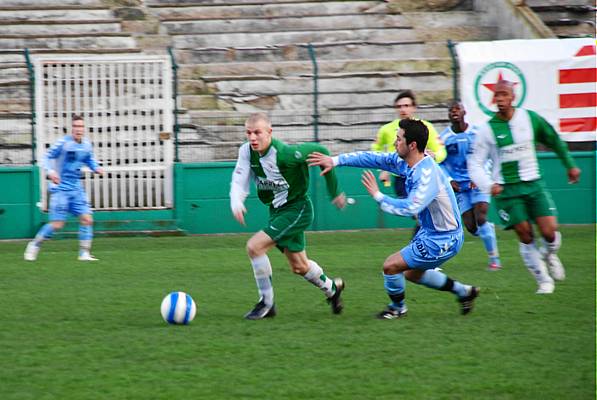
(555, 77)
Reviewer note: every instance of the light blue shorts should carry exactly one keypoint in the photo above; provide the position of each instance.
(67, 202)
(430, 250)
(467, 199)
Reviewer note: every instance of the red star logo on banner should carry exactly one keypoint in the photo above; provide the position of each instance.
(491, 86)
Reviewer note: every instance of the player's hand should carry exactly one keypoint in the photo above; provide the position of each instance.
(370, 183)
(384, 176)
(99, 171)
(324, 161)
(573, 175)
(455, 186)
(496, 189)
(54, 178)
(340, 201)
(239, 214)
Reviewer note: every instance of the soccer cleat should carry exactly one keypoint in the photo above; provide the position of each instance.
(556, 269)
(467, 302)
(86, 257)
(260, 311)
(546, 288)
(493, 266)
(393, 313)
(31, 252)
(335, 301)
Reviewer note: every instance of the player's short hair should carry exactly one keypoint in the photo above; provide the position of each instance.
(406, 94)
(77, 117)
(454, 103)
(254, 118)
(415, 131)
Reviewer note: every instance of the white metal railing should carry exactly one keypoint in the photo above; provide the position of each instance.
(127, 105)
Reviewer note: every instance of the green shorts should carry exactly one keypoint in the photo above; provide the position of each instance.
(287, 225)
(524, 201)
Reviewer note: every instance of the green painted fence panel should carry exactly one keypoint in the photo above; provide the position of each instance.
(202, 204)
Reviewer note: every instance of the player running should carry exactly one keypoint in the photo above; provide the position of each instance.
(473, 204)
(509, 140)
(281, 175)
(431, 197)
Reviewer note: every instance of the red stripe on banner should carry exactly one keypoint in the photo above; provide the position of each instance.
(578, 124)
(576, 100)
(578, 75)
(587, 50)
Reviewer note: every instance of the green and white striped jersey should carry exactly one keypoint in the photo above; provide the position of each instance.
(511, 147)
(281, 174)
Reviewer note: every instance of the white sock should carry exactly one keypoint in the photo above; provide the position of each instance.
(534, 262)
(553, 247)
(262, 270)
(316, 276)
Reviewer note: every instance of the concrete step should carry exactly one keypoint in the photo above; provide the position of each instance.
(329, 101)
(346, 50)
(195, 119)
(193, 3)
(329, 36)
(270, 10)
(339, 83)
(572, 28)
(82, 42)
(290, 38)
(8, 72)
(544, 3)
(301, 68)
(51, 4)
(288, 24)
(56, 27)
(68, 15)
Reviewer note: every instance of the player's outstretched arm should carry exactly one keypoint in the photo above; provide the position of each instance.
(321, 160)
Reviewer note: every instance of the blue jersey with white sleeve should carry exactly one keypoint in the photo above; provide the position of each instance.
(430, 195)
(66, 157)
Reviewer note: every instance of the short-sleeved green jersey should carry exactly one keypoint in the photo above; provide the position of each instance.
(281, 174)
(511, 146)
(386, 136)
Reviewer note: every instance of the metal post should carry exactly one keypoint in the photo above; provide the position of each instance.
(175, 96)
(455, 91)
(315, 93)
(32, 103)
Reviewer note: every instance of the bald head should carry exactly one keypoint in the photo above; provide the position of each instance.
(503, 97)
(504, 85)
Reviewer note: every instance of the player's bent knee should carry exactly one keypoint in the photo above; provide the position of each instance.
(57, 225)
(390, 268)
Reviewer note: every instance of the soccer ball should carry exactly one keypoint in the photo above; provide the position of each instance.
(178, 308)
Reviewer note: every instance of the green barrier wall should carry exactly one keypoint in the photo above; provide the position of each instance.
(202, 204)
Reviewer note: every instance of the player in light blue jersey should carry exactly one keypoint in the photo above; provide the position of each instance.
(431, 197)
(473, 203)
(62, 164)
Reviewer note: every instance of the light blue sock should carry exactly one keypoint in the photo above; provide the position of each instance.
(395, 286)
(44, 233)
(85, 238)
(438, 280)
(487, 234)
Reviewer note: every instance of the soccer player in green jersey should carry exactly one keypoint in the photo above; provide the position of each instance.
(509, 140)
(281, 174)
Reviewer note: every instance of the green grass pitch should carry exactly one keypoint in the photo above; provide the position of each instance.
(73, 330)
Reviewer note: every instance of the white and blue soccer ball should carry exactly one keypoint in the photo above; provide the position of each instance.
(178, 308)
